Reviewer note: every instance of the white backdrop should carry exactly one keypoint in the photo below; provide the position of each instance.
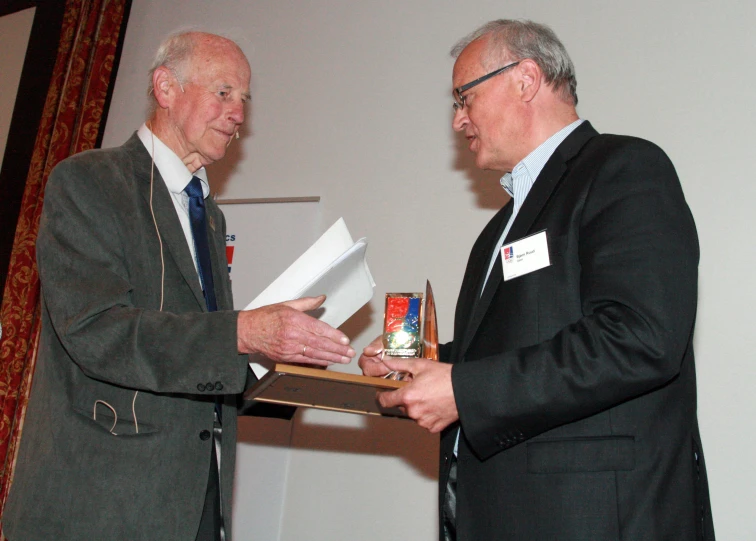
(351, 102)
(262, 240)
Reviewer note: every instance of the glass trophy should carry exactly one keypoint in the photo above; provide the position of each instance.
(409, 327)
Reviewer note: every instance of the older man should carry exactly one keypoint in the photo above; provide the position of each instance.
(567, 397)
(131, 425)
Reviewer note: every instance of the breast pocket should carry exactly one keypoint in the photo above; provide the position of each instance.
(562, 253)
(558, 251)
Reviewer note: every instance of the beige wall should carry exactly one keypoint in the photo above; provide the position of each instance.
(351, 102)
(15, 30)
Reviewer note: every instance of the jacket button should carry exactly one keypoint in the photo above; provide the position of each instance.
(218, 386)
(205, 435)
(200, 387)
(209, 386)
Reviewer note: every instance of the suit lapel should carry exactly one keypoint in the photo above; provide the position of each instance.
(539, 194)
(548, 179)
(475, 298)
(171, 232)
(535, 201)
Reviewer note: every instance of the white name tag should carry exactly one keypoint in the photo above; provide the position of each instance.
(525, 255)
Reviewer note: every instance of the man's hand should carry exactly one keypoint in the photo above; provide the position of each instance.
(428, 398)
(371, 360)
(283, 332)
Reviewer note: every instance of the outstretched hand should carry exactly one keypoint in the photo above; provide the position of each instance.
(283, 332)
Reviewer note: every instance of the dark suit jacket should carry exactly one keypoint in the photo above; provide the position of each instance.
(102, 339)
(575, 384)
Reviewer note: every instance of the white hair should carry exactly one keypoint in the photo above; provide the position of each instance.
(174, 53)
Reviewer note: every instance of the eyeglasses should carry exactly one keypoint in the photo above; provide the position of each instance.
(459, 99)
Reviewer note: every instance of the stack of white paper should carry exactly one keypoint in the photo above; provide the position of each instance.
(334, 266)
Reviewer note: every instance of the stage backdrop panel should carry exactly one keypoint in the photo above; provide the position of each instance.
(263, 237)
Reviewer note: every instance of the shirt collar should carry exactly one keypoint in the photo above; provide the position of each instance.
(172, 169)
(534, 162)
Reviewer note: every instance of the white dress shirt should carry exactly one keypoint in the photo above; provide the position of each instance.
(176, 177)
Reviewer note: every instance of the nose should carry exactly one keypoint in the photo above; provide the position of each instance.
(236, 112)
(460, 119)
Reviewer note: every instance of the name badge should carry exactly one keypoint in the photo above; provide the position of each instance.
(524, 256)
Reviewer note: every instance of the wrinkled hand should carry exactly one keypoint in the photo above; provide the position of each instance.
(428, 398)
(283, 332)
(371, 360)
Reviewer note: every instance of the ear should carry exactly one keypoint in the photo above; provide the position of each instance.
(531, 78)
(164, 86)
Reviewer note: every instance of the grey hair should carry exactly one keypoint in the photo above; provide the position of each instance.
(174, 53)
(517, 40)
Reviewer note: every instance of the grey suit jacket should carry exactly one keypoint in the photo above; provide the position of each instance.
(575, 383)
(85, 471)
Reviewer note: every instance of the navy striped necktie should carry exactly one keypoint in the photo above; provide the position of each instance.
(201, 247)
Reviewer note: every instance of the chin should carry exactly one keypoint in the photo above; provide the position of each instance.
(488, 163)
(482, 162)
(215, 154)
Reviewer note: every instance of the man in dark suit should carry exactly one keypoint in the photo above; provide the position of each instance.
(567, 399)
(131, 425)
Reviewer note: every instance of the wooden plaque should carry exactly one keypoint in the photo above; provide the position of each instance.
(295, 385)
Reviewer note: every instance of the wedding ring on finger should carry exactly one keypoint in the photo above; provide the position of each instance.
(304, 350)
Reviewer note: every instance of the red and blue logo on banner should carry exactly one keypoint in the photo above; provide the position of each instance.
(230, 251)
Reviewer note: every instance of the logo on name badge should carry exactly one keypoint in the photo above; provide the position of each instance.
(508, 253)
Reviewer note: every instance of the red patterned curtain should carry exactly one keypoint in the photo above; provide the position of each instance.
(71, 122)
